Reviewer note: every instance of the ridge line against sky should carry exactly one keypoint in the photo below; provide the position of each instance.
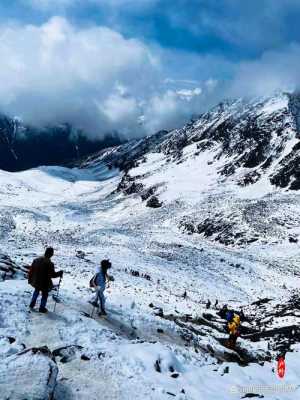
(139, 66)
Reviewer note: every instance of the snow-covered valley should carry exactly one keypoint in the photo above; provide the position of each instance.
(205, 241)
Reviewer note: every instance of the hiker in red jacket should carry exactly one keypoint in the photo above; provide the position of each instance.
(40, 277)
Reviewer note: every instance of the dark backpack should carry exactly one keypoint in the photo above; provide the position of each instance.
(92, 281)
(29, 275)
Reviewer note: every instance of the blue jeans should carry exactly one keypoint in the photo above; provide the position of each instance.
(35, 297)
(99, 298)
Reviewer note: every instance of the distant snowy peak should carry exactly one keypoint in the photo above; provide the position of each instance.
(245, 141)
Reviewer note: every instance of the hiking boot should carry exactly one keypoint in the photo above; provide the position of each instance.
(43, 310)
(102, 313)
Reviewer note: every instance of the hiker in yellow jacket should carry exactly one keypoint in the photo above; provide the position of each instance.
(233, 325)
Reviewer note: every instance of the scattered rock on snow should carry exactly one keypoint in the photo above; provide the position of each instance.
(9, 346)
(157, 365)
(80, 254)
(293, 239)
(9, 269)
(67, 353)
(226, 370)
(7, 224)
(134, 188)
(153, 202)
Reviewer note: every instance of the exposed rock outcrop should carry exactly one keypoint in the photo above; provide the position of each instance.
(30, 374)
(153, 202)
(9, 269)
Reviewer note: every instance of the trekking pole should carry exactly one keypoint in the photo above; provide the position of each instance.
(93, 312)
(58, 287)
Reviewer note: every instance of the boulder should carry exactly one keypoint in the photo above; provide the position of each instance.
(30, 374)
(67, 353)
(293, 239)
(80, 254)
(153, 202)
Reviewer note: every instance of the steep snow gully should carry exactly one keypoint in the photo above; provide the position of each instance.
(191, 220)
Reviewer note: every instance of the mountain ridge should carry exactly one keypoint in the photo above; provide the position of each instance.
(221, 172)
(253, 134)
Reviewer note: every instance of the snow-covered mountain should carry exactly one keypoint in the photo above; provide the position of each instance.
(191, 219)
(245, 140)
(232, 174)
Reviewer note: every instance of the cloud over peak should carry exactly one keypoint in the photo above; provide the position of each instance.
(55, 72)
(103, 81)
(93, 77)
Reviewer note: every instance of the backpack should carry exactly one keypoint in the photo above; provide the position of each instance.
(229, 315)
(92, 281)
(29, 275)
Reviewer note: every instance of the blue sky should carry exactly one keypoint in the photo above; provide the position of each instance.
(235, 28)
(178, 57)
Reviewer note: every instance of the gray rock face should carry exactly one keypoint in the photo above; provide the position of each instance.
(245, 221)
(9, 269)
(30, 374)
(7, 224)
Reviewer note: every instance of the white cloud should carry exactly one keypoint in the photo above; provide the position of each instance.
(272, 71)
(92, 77)
(188, 94)
(121, 110)
(101, 81)
(55, 72)
(172, 108)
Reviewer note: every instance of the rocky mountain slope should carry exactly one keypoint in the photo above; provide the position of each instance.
(187, 232)
(253, 138)
(237, 164)
(23, 146)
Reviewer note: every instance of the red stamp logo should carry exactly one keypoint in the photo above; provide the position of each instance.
(281, 367)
